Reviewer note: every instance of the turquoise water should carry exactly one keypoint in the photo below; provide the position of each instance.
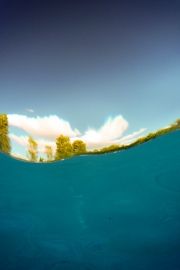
(112, 211)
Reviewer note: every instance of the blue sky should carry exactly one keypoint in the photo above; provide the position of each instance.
(95, 70)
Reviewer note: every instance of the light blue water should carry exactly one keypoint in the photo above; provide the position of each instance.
(115, 211)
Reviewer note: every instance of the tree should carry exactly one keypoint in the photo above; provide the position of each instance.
(41, 159)
(110, 148)
(178, 122)
(32, 153)
(48, 151)
(64, 148)
(5, 145)
(79, 147)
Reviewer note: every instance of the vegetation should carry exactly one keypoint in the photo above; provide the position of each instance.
(64, 148)
(113, 147)
(79, 147)
(49, 153)
(175, 126)
(41, 159)
(32, 153)
(5, 145)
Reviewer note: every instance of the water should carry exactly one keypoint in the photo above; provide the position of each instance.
(112, 211)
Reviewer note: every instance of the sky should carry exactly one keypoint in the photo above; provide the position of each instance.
(104, 71)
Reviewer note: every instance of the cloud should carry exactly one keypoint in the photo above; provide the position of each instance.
(48, 128)
(31, 111)
(23, 140)
(109, 133)
(130, 137)
(111, 130)
(45, 131)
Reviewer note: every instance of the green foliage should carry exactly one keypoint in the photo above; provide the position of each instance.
(89, 152)
(176, 125)
(64, 148)
(41, 159)
(111, 148)
(104, 149)
(5, 145)
(3, 124)
(160, 132)
(79, 147)
(122, 147)
(32, 153)
(114, 147)
(49, 153)
(178, 122)
(150, 136)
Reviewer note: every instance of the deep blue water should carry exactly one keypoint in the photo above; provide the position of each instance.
(112, 211)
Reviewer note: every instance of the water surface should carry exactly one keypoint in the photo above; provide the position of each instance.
(112, 211)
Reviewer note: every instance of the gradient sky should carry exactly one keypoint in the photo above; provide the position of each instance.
(95, 70)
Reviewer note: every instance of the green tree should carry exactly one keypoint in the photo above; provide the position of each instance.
(64, 148)
(49, 153)
(79, 147)
(178, 122)
(32, 153)
(5, 145)
(41, 159)
(110, 148)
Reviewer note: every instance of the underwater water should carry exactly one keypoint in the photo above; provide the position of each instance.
(112, 211)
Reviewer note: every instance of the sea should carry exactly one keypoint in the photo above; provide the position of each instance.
(116, 211)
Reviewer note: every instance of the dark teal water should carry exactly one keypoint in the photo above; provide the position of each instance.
(115, 211)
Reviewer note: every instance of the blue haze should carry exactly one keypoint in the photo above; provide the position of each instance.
(113, 211)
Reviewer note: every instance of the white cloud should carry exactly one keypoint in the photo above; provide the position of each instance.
(31, 111)
(48, 128)
(45, 130)
(111, 130)
(131, 137)
(22, 140)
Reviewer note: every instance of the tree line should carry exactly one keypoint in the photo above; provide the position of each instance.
(5, 144)
(64, 148)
